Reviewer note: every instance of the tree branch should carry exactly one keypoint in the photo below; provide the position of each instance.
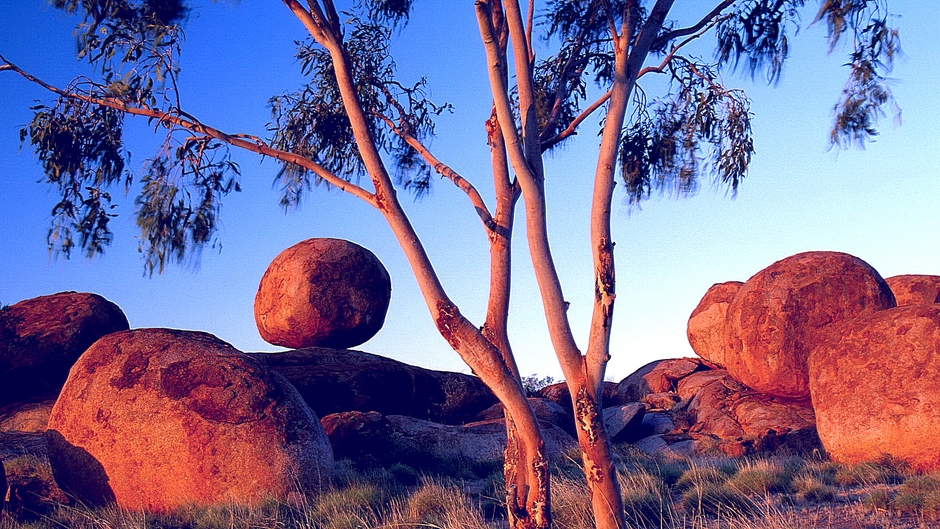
(446, 171)
(695, 28)
(572, 128)
(243, 141)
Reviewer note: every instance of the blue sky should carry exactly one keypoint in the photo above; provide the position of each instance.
(879, 204)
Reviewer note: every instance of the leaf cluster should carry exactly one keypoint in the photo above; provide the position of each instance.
(312, 121)
(80, 147)
(179, 207)
(700, 123)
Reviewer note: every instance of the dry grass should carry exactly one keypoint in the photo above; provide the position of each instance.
(761, 493)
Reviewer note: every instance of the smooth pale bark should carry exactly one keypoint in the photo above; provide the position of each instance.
(483, 357)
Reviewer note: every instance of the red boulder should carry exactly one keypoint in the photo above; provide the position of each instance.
(915, 289)
(875, 386)
(156, 419)
(782, 313)
(706, 327)
(40, 339)
(322, 292)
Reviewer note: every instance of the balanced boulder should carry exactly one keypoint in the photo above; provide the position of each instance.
(914, 289)
(155, 419)
(336, 380)
(322, 292)
(706, 327)
(40, 339)
(780, 314)
(875, 386)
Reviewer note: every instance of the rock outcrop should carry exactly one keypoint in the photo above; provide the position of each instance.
(30, 416)
(155, 419)
(546, 411)
(371, 438)
(691, 409)
(875, 387)
(915, 289)
(322, 292)
(40, 339)
(780, 314)
(334, 380)
(706, 327)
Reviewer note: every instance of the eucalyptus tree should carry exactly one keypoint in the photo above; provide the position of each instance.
(354, 121)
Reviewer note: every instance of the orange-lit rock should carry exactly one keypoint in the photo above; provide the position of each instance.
(706, 327)
(156, 419)
(781, 313)
(875, 385)
(40, 339)
(914, 289)
(322, 292)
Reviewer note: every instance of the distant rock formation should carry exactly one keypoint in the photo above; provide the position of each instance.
(915, 289)
(876, 387)
(40, 339)
(781, 313)
(336, 380)
(156, 419)
(322, 292)
(692, 408)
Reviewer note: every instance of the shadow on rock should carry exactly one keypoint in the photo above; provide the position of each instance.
(77, 472)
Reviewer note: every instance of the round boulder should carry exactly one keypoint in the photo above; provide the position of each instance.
(706, 327)
(322, 292)
(779, 315)
(40, 339)
(913, 289)
(875, 385)
(156, 419)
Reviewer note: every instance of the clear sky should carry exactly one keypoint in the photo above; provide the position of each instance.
(880, 204)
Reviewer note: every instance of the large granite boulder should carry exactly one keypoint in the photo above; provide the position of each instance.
(370, 438)
(40, 339)
(915, 289)
(322, 292)
(157, 419)
(706, 327)
(875, 386)
(782, 313)
(333, 380)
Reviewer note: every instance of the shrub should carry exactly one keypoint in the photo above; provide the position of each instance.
(761, 477)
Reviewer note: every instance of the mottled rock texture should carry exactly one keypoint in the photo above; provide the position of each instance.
(40, 339)
(706, 327)
(915, 289)
(322, 292)
(335, 380)
(783, 312)
(875, 385)
(157, 419)
(546, 411)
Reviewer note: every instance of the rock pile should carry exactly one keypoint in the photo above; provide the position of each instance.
(337, 380)
(823, 329)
